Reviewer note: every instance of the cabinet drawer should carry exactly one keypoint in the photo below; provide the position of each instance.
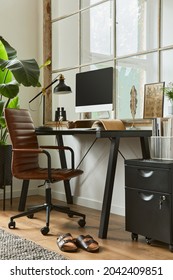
(155, 179)
(145, 217)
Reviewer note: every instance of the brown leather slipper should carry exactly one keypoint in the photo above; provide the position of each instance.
(87, 243)
(66, 243)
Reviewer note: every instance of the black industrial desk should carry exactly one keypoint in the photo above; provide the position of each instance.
(114, 136)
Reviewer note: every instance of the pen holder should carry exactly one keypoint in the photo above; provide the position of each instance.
(161, 147)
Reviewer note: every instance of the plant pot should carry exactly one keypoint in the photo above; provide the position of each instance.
(5, 169)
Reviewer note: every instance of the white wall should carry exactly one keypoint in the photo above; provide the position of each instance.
(21, 26)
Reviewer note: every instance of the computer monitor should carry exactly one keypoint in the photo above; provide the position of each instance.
(94, 90)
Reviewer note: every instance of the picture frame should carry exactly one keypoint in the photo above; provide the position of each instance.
(153, 100)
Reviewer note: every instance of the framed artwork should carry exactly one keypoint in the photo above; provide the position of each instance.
(153, 100)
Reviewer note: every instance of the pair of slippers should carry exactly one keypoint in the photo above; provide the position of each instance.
(67, 243)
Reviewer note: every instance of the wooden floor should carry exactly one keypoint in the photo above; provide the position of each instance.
(118, 245)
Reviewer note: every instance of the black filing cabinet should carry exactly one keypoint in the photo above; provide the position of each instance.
(148, 199)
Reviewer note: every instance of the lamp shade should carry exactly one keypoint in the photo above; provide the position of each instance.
(62, 88)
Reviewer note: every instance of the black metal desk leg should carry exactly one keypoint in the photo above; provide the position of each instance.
(145, 147)
(69, 197)
(104, 220)
(23, 195)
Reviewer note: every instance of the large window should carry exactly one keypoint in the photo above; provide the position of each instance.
(133, 36)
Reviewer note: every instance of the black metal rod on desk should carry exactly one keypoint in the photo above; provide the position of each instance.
(145, 147)
(107, 199)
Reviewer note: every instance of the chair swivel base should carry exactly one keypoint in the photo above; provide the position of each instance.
(48, 207)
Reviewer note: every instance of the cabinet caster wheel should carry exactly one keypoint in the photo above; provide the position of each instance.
(134, 236)
(171, 248)
(11, 225)
(44, 230)
(30, 216)
(81, 223)
(148, 240)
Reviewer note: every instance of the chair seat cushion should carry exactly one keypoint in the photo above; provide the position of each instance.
(42, 174)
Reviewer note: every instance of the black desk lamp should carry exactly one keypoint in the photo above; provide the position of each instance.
(61, 88)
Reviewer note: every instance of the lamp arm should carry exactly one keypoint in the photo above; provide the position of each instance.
(54, 81)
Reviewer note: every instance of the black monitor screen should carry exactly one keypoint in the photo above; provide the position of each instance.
(94, 90)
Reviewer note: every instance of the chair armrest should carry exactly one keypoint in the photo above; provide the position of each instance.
(62, 148)
(38, 151)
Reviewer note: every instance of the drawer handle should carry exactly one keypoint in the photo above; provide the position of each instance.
(145, 173)
(146, 197)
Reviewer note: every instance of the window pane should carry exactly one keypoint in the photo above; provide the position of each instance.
(87, 3)
(136, 71)
(97, 33)
(166, 73)
(63, 7)
(137, 26)
(97, 66)
(65, 42)
(167, 22)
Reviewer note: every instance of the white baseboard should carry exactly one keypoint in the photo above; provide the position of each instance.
(16, 193)
(83, 201)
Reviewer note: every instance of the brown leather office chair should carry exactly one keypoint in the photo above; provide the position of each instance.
(25, 164)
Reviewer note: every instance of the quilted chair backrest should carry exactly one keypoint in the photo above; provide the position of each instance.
(22, 133)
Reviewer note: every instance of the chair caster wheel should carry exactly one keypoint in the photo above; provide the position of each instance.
(30, 216)
(12, 224)
(81, 223)
(44, 230)
(171, 248)
(148, 240)
(134, 236)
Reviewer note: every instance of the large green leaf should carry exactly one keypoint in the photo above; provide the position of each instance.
(14, 103)
(1, 106)
(26, 72)
(9, 90)
(2, 120)
(11, 52)
(5, 75)
(13, 73)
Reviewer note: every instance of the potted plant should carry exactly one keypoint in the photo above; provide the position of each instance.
(168, 91)
(13, 73)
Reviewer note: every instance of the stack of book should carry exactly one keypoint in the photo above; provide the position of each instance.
(162, 138)
(162, 127)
